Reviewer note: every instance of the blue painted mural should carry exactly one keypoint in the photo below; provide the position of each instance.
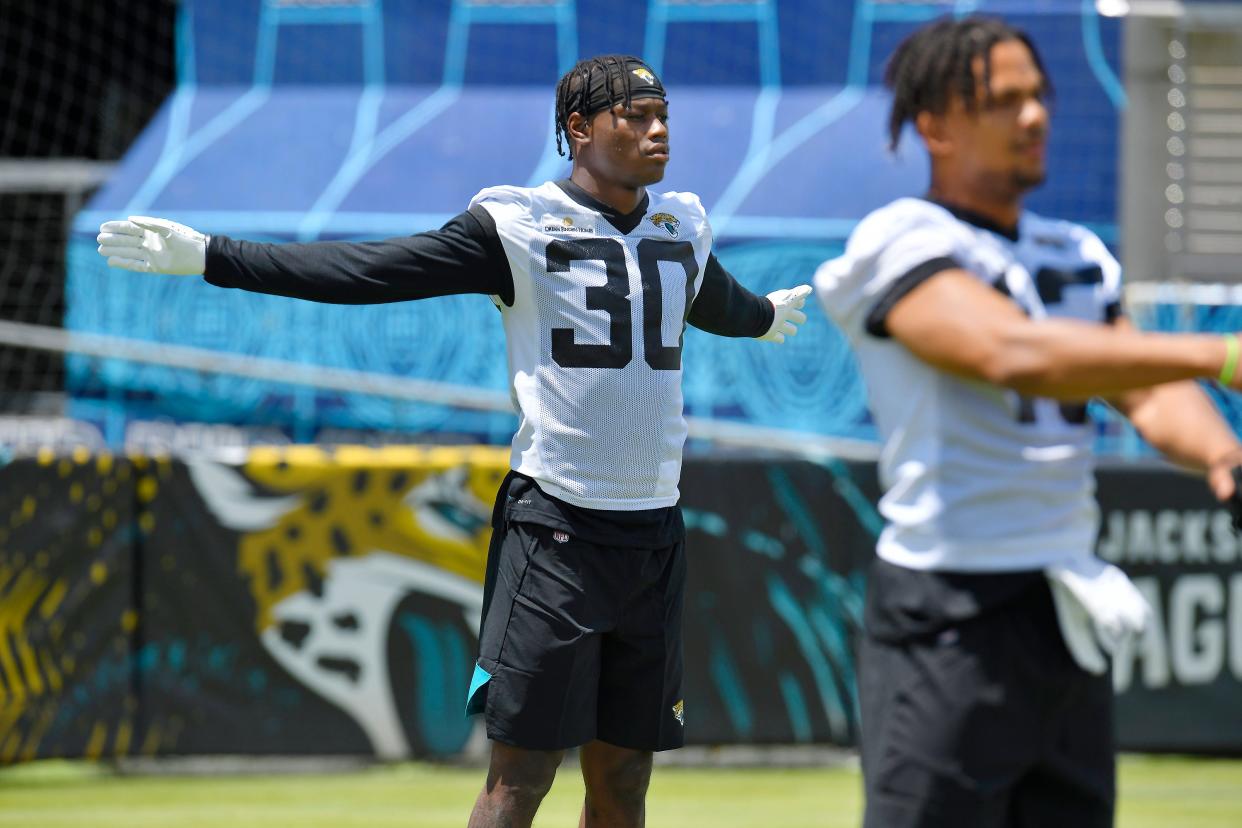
(295, 119)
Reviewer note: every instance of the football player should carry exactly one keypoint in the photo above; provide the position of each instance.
(982, 330)
(595, 277)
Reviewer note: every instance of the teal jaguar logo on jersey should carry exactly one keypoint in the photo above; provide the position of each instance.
(667, 221)
(643, 73)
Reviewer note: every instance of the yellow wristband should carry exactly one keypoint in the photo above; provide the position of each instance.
(1230, 367)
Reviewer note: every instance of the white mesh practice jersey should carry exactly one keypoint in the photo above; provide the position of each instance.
(594, 339)
(975, 476)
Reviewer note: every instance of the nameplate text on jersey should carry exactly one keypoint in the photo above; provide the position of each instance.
(568, 224)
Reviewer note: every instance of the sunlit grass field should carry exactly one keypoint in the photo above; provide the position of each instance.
(1155, 793)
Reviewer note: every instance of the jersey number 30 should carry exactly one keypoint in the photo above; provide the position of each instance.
(611, 297)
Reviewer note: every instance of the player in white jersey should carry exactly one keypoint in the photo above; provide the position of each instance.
(982, 330)
(595, 279)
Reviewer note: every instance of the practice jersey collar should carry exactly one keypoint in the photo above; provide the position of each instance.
(624, 222)
(977, 219)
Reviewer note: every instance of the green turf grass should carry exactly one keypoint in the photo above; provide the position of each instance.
(1163, 792)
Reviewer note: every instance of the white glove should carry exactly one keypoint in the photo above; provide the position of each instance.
(153, 245)
(1097, 606)
(788, 316)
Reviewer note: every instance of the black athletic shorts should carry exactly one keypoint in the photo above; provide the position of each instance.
(973, 711)
(581, 632)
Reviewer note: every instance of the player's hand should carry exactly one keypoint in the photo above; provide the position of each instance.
(153, 245)
(788, 304)
(1097, 607)
(1225, 479)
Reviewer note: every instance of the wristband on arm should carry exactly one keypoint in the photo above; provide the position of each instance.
(1230, 368)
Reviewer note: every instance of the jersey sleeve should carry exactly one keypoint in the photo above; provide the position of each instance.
(890, 253)
(463, 256)
(509, 212)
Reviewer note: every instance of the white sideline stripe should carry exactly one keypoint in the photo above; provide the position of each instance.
(815, 447)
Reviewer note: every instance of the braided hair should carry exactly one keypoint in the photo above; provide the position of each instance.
(573, 91)
(937, 62)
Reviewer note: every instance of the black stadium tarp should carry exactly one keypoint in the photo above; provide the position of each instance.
(306, 601)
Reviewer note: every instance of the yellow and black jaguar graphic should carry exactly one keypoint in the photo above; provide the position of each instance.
(667, 221)
(431, 505)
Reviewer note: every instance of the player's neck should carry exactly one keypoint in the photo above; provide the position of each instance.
(1003, 212)
(621, 198)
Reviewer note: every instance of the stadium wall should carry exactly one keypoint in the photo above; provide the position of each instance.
(307, 601)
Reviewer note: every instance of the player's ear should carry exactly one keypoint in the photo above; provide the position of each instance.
(932, 128)
(578, 128)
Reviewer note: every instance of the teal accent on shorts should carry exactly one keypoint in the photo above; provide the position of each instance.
(474, 699)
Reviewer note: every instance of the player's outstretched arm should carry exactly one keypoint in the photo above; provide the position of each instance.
(963, 326)
(463, 256)
(1181, 422)
(725, 308)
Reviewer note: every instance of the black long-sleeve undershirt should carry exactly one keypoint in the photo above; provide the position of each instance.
(463, 256)
(725, 308)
